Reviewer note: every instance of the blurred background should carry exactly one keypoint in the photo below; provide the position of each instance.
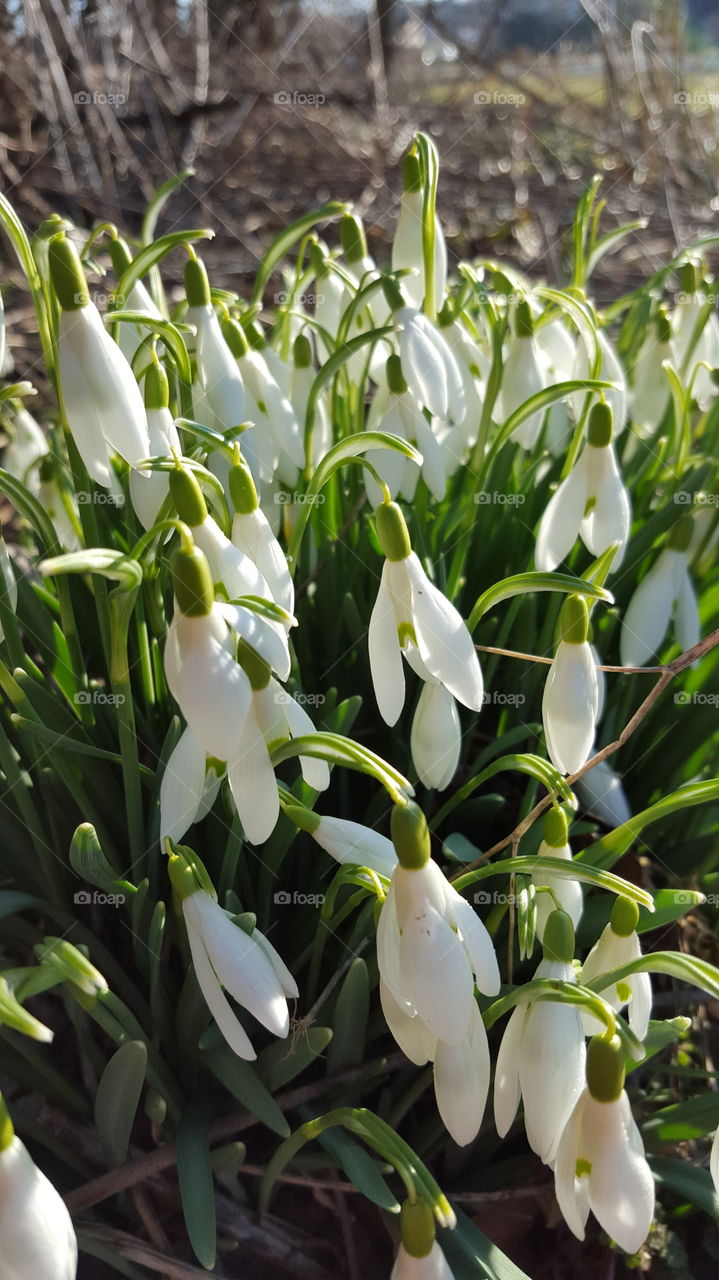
(279, 105)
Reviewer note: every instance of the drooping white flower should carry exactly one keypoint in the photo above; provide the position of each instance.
(618, 945)
(149, 491)
(413, 618)
(651, 391)
(219, 375)
(600, 790)
(591, 502)
(665, 595)
(696, 349)
(407, 251)
(541, 1058)
(349, 843)
(8, 582)
(37, 1238)
(189, 786)
(600, 1163)
(398, 413)
(431, 947)
(564, 893)
(523, 376)
(301, 380)
(101, 398)
(229, 959)
(277, 437)
(436, 737)
(252, 534)
(28, 444)
(610, 370)
(428, 363)
(571, 697)
(419, 1256)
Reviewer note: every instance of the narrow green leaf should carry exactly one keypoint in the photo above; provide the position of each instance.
(573, 870)
(349, 1020)
(608, 850)
(197, 1193)
(360, 1168)
(524, 583)
(682, 1121)
(243, 1082)
(154, 253)
(542, 400)
(158, 202)
(468, 1250)
(689, 1182)
(118, 1097)
(288, 238)
(281, 1061)
(699, 973)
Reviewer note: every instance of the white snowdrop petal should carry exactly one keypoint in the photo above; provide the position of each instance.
(551, 1073)
(444, 643)
(569, 706)
(412, 1036)
(477, 942)
(433, 1266)
(384, 654)
(507, 1091)
(436, 736)
(559, 526)
(287, 982)
(436, 976)
(350, 842)
(215, 998)
(315, 772)
(610, 517)
(214, 696)
(38, 1238)
(182, 787)
(714, 1162)
(240, 963)
(621, 1187)
(253, 783)
(646, 619)
(572, 1193)
(461, 1082)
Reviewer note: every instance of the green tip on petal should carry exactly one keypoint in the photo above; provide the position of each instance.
(157, 387)
(556, 828)
(410, 836)
(392, 531)
(303, 818)
(235, 337)
(242, 489)
(681, 535)
(664, 328)
(412, 172)
(395, 376)
(523, 322)
(120, 255)
(66, 274)
(182, 877)
(197, 285)
(7, 1133)
(187, 496)
(574, 620)
(599, 430)
(417, 1227)
(605, 1068)
(192, 582)
(558, 940)
(352, 238)
(625, 917)
(258, 672)
(689, 277)
(302, 352)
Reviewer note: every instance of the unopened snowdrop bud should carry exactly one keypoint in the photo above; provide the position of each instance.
(419, 1256)
(523, 376)
(349, 843)
(227, 958)
(542, 1054)
(618, 945)
(73, 964)
(600, 1163)
(664, 596)
(101, 398)
(566, 894)
(149, 489)
(36, 1232)
(436, 737)
(431, 947)
(413, 618)
(252, 534)
(571, 695)
(407, 250)
(591, 502)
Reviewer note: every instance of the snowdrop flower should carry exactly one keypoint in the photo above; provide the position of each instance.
(665, 595)
(221, 389)
(276, 438)
(619, 945)
(436, 737)
(571, 696)
(651, 391)
(559, 351)
(591, 502)
(398, 413)
(149, 491)
(601, 791)
(101, 398)
(523, 376)
(407, 250)
(610, 370)
(8, 582)
(360, 265)
(252, 534)
(431, 947)
(566, 894)
(301, 380)
(473, 365)
(429, 367)
(38, 1238)
(600, 1162)
(704, 350)
(419, 1256)
(227, 956)
(542, 1056)
(189, 786)
(349, 843)
(138, 299)
(413, 618)
(27, 445)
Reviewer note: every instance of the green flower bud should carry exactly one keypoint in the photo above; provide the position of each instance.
(392, 293)
(242, 489)
(197, 286)
(417, 1227)
(352, 238)
(410, 836)
(392, 531)
(681, 535)
(395, 376)
(558, 940)
(187, 496)
(302, 352)
(412, 172)
(556, 828)
(625, 917)
(689, 277)
(605, 1068)
(303, 818)
(599, 431)
(192, 582)
(66, 274)
(523, 322)
(235, 337)
(120, 255)
(574, 620)
(156, 388)
(182, 877)
(7, 1133)
(256, 669)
